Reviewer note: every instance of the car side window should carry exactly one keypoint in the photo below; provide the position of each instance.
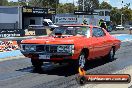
(88, 32)
(98, 32)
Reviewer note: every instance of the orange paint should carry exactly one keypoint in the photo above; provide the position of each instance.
(97, 46)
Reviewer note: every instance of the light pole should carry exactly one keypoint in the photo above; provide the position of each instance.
(121, 12)
(121, 18)
(18, 25)
(83, 9)
(83, 5)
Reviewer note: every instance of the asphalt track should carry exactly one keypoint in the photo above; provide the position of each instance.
(19, 73)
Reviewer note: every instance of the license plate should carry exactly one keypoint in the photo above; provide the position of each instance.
(44, 56)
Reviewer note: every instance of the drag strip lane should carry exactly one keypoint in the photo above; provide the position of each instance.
(60, 76)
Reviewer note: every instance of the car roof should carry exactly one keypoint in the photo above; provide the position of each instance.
(36, 25)
(119, 25)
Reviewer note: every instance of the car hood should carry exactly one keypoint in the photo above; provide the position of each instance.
(54, 26)
(52, 40)
(119, 27)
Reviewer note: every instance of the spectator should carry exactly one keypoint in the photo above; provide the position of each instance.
(85, 22)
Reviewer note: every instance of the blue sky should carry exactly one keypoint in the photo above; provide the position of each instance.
(115, 3)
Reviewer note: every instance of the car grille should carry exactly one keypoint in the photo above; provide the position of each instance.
(46, 48)
(40, 48)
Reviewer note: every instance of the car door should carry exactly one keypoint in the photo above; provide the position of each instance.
(98, 42)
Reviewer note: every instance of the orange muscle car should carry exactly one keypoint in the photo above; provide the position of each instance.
(72, 44)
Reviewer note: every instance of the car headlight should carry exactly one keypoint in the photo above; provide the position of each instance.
(22, 47)
(28, 47)
(65, 49)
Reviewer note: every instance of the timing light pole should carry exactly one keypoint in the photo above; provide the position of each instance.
(83, 9)
(83, 5)
(121, 12)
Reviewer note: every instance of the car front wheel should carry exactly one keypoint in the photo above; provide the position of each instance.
(36, 63)
(111, 54)
(82, 60)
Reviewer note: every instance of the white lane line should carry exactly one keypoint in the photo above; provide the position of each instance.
(12, 58)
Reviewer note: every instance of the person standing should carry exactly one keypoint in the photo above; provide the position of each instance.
(102, 24)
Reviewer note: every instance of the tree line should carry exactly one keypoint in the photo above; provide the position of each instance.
(89, 5)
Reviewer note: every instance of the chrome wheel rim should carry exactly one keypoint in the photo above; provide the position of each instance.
(111, 53)
(82, 61)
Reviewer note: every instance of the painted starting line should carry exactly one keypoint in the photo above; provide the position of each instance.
(17, 53)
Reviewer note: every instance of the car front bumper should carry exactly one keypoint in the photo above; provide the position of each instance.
(53, 56)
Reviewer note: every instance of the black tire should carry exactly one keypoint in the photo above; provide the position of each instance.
(74, 65)
(82, 60)
(36, 63)
(51, 29)
(81, 80)
(110, 56)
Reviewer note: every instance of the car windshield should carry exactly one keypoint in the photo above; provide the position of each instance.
(50, 23)
(73, 31)
(119, 25)
(36, 26)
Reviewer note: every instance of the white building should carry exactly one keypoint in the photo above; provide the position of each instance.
(70, 18)
(103, 14)
(10, 17)
(20, 17)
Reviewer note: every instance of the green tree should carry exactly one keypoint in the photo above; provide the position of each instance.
(3, 2)
(127, 5)
(11, 3)
(66, 8)
(44, 3)
(115, 16)
(127, 15)
(69, 7)
(88, 4)
(61, 8)
(131, 14)
(105, 5)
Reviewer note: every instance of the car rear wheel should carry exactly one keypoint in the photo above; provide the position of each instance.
(36, 63)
